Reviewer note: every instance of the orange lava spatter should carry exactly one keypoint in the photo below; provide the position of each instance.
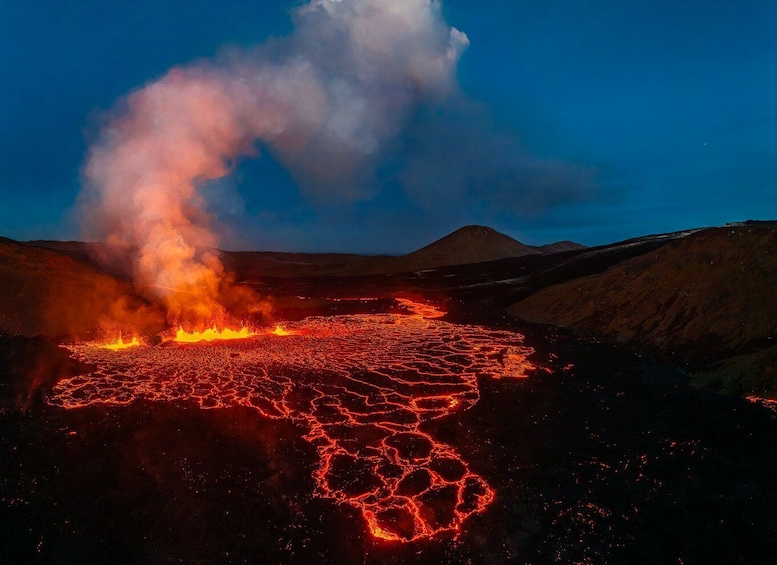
(281, 331)
(362, 385)
(120, 344)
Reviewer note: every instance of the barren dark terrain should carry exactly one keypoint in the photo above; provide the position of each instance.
(608, 441)
(705, 301)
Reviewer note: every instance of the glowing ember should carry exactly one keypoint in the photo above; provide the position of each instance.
(211, 334)
(121, 344)
(362, 385)
(769, 403)
(281, 331)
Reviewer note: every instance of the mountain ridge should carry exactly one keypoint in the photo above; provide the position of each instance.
(468, 244)
(705, 301)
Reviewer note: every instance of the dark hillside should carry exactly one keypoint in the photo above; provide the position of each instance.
(701, 299)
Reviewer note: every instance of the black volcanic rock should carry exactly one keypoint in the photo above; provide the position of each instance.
(29, 366)
(602, 457)
(606, 457)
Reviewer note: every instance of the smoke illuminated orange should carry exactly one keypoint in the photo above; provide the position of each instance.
(363, 386)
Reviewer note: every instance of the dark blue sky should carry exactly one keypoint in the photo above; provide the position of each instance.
(671, 107)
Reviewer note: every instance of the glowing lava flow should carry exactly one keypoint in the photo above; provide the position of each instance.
(362, 385)
(281, 331)
(211, 334)
(120, 344)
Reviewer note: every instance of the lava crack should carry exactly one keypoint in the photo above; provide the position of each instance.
(362, 385)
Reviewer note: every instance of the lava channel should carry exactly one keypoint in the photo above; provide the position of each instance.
(362, 385)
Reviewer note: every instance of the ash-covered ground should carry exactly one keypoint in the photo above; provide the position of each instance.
(600, 456)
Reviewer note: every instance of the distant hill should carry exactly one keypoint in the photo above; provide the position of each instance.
(467, 245)
(560, 247)
(108, 259)
(470, 244)
(707, 300)
(47, 292)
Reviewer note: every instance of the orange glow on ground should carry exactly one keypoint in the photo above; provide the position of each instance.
(363, 386)
(281, 331)
(121, 344)
(423, 310)
(211, 334)
(770, 403)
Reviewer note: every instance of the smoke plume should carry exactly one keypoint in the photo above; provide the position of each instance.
(324, 101)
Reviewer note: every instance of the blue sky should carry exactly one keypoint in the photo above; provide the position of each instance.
(668, 109)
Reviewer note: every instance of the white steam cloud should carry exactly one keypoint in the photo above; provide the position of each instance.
(325, 100)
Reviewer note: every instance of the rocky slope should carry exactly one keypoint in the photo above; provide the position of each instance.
(701, 300)
(43, 292)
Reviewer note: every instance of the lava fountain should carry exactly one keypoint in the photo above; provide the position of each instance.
(211, 334)
(362, 386)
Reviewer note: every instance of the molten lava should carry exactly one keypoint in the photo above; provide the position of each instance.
(281, 331)
(363, 386)
(121, 344)
(420, 309)
(211, 334)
